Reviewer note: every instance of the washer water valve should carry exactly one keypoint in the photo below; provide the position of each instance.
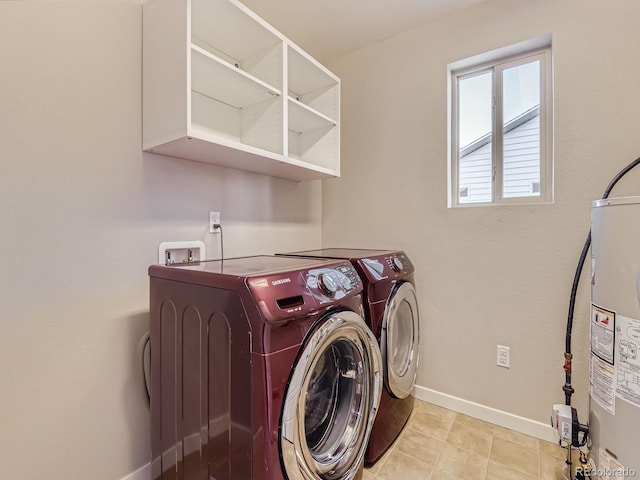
(170, 253)
(586, 468)
(570, 430)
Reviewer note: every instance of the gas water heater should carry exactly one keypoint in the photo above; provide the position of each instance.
(614, 374)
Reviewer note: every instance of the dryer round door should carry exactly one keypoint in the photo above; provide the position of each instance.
(331, 400)
(399, 341)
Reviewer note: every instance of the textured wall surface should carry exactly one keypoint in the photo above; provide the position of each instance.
(82, 212)
(488, 275)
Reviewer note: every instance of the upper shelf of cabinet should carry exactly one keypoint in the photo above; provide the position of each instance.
(229, 32)
(313, 93)
(306, 76)
(223, 86)
(233, 86)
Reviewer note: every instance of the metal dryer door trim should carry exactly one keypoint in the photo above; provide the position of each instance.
(400, 339)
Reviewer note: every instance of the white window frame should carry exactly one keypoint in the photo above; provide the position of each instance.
(498, 60)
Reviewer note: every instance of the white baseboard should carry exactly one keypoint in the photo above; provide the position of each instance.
(482, 412)
(143, 473)
(488, 414)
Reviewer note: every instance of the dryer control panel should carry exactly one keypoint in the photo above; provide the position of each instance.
(385, 267)
(399, 262)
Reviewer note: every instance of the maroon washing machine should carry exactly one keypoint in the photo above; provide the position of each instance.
(391, 310)
(262, 368)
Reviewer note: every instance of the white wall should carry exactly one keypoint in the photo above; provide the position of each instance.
(488, 275)
(82, 212)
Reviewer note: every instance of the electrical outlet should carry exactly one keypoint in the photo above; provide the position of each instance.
(214, 219)
(503, 355)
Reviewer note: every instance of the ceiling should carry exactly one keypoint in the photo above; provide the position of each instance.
(330, 28)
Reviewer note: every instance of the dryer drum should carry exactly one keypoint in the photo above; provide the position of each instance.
(331, 400)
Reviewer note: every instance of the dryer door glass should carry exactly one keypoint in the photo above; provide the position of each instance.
(400, 340)
(402, 335)
(331, 400)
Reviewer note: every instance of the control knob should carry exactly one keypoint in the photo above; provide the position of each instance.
(327, 284)
(396, 264)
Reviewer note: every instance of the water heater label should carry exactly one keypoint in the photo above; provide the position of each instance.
(601, 383)
(628, 360)
(609, 467)
(603, 323)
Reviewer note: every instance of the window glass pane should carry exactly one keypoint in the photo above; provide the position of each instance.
(475, 104)
(521, 130)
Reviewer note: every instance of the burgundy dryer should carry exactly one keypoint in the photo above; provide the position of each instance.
(391, 311)
(262, 368)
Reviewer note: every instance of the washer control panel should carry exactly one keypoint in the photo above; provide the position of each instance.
(288, 294)
(333, 282)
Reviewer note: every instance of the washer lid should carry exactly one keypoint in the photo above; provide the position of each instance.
(250, 266)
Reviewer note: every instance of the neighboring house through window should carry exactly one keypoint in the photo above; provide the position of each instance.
(501, 126)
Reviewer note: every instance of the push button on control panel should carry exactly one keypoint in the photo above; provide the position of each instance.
(348, 277)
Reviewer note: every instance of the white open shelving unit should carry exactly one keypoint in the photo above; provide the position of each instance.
(220, 85)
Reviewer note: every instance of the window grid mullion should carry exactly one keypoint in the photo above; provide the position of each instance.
(497, 135)
(455, 150)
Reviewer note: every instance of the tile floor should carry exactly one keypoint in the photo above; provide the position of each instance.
(439, 444)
